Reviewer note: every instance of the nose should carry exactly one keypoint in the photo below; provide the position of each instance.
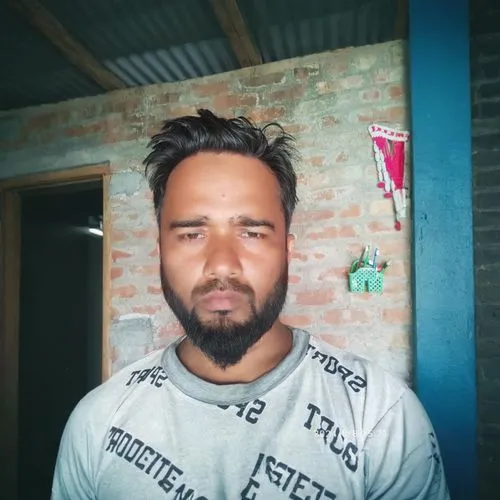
(222, 259)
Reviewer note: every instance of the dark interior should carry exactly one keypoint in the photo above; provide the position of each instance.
(60, 322)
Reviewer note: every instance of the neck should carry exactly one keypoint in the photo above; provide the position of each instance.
(260, 359)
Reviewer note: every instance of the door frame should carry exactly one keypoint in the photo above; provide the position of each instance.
(10, 262)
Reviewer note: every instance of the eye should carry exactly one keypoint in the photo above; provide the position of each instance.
(192, 236)
(253, 235)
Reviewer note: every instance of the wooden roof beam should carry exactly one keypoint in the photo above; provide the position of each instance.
(233, 25)
(37, 15)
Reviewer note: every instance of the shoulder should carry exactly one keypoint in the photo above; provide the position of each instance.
(77, 462)
(100, 404)
(353, 369)
(363, 385)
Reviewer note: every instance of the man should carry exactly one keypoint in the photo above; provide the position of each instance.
(242, 406)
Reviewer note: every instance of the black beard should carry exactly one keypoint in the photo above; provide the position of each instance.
(225, 341)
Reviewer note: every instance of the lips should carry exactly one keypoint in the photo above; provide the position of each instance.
(221, 300)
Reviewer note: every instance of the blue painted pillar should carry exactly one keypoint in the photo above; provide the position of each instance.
(443, 291)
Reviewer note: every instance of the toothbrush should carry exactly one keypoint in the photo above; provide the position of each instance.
(375, 255)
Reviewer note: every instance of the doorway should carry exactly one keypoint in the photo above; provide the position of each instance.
(54, 297)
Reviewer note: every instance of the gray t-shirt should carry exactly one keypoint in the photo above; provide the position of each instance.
(324, 424)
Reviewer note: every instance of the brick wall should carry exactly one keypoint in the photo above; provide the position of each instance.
(327, 101)
(485, 69)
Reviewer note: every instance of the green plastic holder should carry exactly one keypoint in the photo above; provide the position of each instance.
(365, 279)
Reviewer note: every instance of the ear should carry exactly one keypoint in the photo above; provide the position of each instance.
(290, 245)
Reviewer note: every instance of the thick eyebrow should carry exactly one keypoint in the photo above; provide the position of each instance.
(246, 221)
(185, 223)
(241, 220)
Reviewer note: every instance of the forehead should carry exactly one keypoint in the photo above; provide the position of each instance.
(222, 182)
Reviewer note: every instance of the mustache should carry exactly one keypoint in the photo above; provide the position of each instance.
(217, 285)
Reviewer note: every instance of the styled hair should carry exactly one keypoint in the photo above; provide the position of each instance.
(182, 137)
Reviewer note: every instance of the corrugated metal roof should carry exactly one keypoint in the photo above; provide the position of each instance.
(289, 28)
(153, 41)
(150, 41)
(33, 70)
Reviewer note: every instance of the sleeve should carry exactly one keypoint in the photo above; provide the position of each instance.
(73, 470)
(402, 456)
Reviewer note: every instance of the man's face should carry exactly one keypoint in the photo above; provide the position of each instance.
(224, 252)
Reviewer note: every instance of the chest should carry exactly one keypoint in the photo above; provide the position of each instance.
(268, 448)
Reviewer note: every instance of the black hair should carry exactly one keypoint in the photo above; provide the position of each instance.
(182, 137)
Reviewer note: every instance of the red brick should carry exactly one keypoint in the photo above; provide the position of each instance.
(316, 161)
(340, 84)
(41, 122)
(176, 111)
(120, 254)
(299, 256)
(117, 235)
(293, 279)
(84, 130)
(324, 194)
(147, 309)
(154, 252)
(346, 316)
(333, 232)
(116, 272)
(381, 227)
(315, 297)
(401, 316)
(351, 211)
(312, 215)
(297, 128)
(127, 104)
(124, 292)
(145, 270)
(347, 232)
(288, 94)
(229, 101)
(305, 143)
(261, 80)
(305, 72)
(296, 320)
(154, 290)
(333, 317)
(395, 91)
(391, 114)
(325, 234)
(267, 114)
(210, 88)
(339, 64)
(151, 233)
